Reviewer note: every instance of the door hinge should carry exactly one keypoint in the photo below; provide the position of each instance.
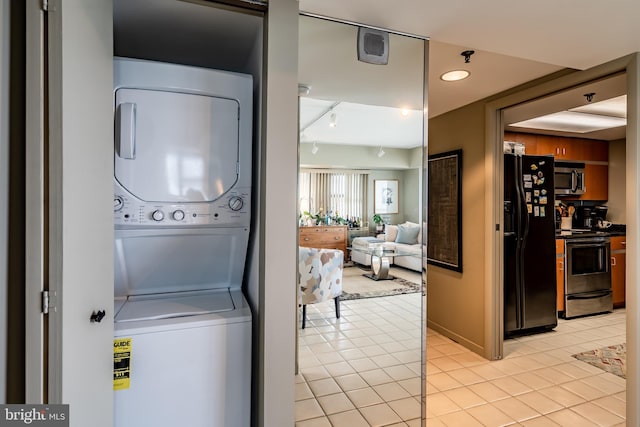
(45, 302)
(45, 5)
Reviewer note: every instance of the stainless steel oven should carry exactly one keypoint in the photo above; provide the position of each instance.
(587, 276)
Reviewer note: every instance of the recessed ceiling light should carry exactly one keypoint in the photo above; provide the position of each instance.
(455, 75)
(404, 112)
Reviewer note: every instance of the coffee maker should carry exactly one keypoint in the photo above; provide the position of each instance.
(588, 217)
(585, 218)
(600, 213)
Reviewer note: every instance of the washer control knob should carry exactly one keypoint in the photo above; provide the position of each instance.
(236, 203)
(178, 215)
(157, 215)
(118, 203)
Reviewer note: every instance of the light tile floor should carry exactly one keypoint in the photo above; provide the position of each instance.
(364, 370)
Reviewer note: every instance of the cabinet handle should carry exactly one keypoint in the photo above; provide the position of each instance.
(306, 239)
(613, 261)
(564, 151)
(623, 243)
(561, 265)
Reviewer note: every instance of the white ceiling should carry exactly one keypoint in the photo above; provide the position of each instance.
(571, 33)
(515, 42)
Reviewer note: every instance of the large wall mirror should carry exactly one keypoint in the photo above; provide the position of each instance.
(360, 188)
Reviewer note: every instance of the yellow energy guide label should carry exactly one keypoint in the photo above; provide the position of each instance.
(121, 363)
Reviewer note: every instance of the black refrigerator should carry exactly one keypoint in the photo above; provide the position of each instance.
(529, 245)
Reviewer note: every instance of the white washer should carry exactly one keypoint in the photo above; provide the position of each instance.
(190, 370)
(182, 203)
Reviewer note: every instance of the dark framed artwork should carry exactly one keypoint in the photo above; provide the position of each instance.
(444, 226)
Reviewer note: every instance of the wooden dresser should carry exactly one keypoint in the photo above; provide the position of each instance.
(328, 236)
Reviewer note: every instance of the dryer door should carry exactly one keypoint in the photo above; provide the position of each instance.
(175, 147)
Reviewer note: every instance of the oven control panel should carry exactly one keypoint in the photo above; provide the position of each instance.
(231, 209)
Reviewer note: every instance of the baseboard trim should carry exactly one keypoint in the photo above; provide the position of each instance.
(457, 338)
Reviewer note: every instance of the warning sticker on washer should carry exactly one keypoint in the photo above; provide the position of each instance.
(121, 363)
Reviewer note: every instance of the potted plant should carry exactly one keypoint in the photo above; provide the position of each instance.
(379, 223)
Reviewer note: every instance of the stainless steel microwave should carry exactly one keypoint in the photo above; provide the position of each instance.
(569, 178)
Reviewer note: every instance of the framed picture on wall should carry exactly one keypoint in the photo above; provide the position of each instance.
(444, 236)
(385, 196)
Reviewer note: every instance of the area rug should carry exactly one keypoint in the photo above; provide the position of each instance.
(356, 286)
(612, 359)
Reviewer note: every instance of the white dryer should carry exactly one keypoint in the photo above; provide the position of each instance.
(182, 197)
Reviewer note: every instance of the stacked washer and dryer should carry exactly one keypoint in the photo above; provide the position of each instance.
(182, 198)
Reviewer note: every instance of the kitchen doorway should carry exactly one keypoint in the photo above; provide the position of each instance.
(496, 123)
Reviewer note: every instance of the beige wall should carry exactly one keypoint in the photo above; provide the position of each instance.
(455, 300)
(356, 157)
(617, 182)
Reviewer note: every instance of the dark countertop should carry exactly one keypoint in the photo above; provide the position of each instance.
(579, 234)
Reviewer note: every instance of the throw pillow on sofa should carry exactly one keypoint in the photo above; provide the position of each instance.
(390, 233)
(408, 234)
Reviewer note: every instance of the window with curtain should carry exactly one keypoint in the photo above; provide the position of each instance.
(341, 194)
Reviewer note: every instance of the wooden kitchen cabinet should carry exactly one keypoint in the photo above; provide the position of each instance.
(329, 237)
(596, 179)
(559, 147)
(594, 150)
(562, 148)
(560, 274)
(618, 266)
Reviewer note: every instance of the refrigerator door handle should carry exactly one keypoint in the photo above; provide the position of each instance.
(519, 245)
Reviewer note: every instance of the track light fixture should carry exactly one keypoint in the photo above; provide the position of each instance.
(333, 121)
(314, 149)
(381, 152)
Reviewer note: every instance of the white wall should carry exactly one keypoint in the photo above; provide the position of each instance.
(4, 189)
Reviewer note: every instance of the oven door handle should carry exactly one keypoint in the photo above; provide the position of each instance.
(590, 295)
(572, 245)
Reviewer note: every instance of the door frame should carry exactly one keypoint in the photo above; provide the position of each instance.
(494, 125)
(35, 349)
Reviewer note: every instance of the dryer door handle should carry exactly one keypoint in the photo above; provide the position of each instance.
(126, 130)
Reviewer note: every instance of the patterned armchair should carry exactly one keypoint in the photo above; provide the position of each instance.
(319, 277)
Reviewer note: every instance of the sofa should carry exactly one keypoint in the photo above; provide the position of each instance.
(407, 236)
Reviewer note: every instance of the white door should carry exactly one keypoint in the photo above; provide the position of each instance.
(70, 247)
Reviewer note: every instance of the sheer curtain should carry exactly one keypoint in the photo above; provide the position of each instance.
(339, 193)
